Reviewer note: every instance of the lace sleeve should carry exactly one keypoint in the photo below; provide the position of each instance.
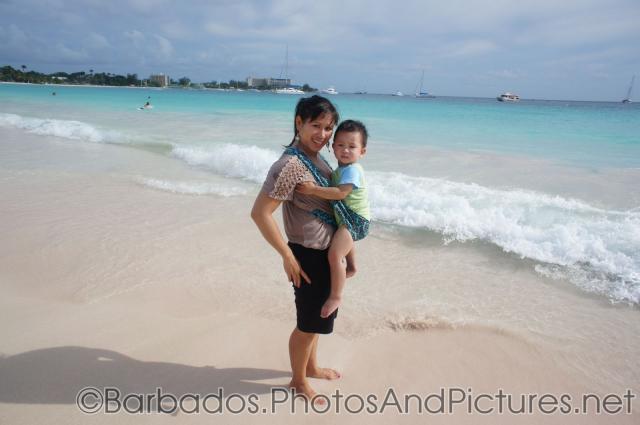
(291, 174)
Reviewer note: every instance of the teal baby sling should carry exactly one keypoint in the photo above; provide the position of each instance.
(357, 225)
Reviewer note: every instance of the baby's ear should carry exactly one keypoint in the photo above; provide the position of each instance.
(363, 151)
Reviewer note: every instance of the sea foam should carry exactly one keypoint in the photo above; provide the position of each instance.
(230, 160)
(68, 129)
(596, 249)
(192, 188)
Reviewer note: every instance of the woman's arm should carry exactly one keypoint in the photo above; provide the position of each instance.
(262, 215)
(331, 193)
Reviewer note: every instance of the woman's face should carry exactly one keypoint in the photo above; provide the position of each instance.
(314, 134)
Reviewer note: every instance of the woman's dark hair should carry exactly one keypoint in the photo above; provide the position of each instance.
(351, 126)
(310, 108)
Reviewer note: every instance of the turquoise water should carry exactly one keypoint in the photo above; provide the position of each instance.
(590, 134)
(549, 181)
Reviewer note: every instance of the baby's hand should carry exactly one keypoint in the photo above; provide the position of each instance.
(306, 188)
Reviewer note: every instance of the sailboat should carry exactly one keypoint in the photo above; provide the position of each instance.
(288, 90)
(628, 98)
(423, 94)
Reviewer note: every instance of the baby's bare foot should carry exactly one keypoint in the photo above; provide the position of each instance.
(324, 373)
(330, 306)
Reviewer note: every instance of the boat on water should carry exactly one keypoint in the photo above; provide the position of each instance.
(628, 98)
(420, 93)
(508, 97)
(330, 90)
(398, 93)
(289, 90)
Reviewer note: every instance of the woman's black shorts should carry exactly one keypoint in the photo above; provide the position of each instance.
(311, 297)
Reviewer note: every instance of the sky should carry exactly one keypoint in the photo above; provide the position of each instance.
(543, 49)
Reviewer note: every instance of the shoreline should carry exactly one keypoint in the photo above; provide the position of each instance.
(615, 102)
(80, 85)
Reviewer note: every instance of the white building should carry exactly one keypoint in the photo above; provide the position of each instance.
(268, 82)
(161, 79)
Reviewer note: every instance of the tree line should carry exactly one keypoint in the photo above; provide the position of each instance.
(10, 74)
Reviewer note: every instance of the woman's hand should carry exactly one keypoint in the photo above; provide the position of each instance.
(293, 270)
(306, 188)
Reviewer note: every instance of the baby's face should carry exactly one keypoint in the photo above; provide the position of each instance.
(347, 147)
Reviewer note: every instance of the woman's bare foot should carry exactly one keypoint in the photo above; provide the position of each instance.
(307, 392)
(330, 306)
(323, 373)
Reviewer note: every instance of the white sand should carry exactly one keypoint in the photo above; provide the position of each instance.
(106, 282)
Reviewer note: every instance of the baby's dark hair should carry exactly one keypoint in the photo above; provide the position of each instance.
(351, 126)
(310, 108)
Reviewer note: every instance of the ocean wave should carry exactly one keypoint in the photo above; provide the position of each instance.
(596, 249)
(550, 229)
(68, 129)
(553, 230)
(192, 188)
(230, 160)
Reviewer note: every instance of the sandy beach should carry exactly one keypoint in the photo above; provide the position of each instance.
(108, 282)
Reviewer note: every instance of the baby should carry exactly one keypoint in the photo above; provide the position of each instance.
(348, 184)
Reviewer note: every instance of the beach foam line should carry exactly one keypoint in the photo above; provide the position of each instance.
(597, 249)
(192, 187)
(68, 129)
(236, 161)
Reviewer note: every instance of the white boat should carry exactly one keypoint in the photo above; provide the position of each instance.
(330, 90)
(398, 93)
(420, 94)
(289, 90)
(628, 98)
(508, 97)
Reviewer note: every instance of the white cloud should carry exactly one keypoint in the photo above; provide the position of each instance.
(356, 42)
(13, 37)
(96, 41)
(165, 48)
(582, 29)
(136, 37)
(65, 53)
(177, 30)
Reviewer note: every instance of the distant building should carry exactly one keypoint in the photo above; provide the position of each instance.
(161, 79)
(274, 83)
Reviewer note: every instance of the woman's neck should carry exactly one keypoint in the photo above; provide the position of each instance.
(310, 154)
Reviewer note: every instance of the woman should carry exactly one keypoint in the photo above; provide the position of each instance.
(307, 222)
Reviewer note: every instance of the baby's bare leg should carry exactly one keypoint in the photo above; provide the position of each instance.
(340, 247)
(351, 262)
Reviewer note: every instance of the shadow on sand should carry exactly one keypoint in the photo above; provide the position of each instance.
(55, 375)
